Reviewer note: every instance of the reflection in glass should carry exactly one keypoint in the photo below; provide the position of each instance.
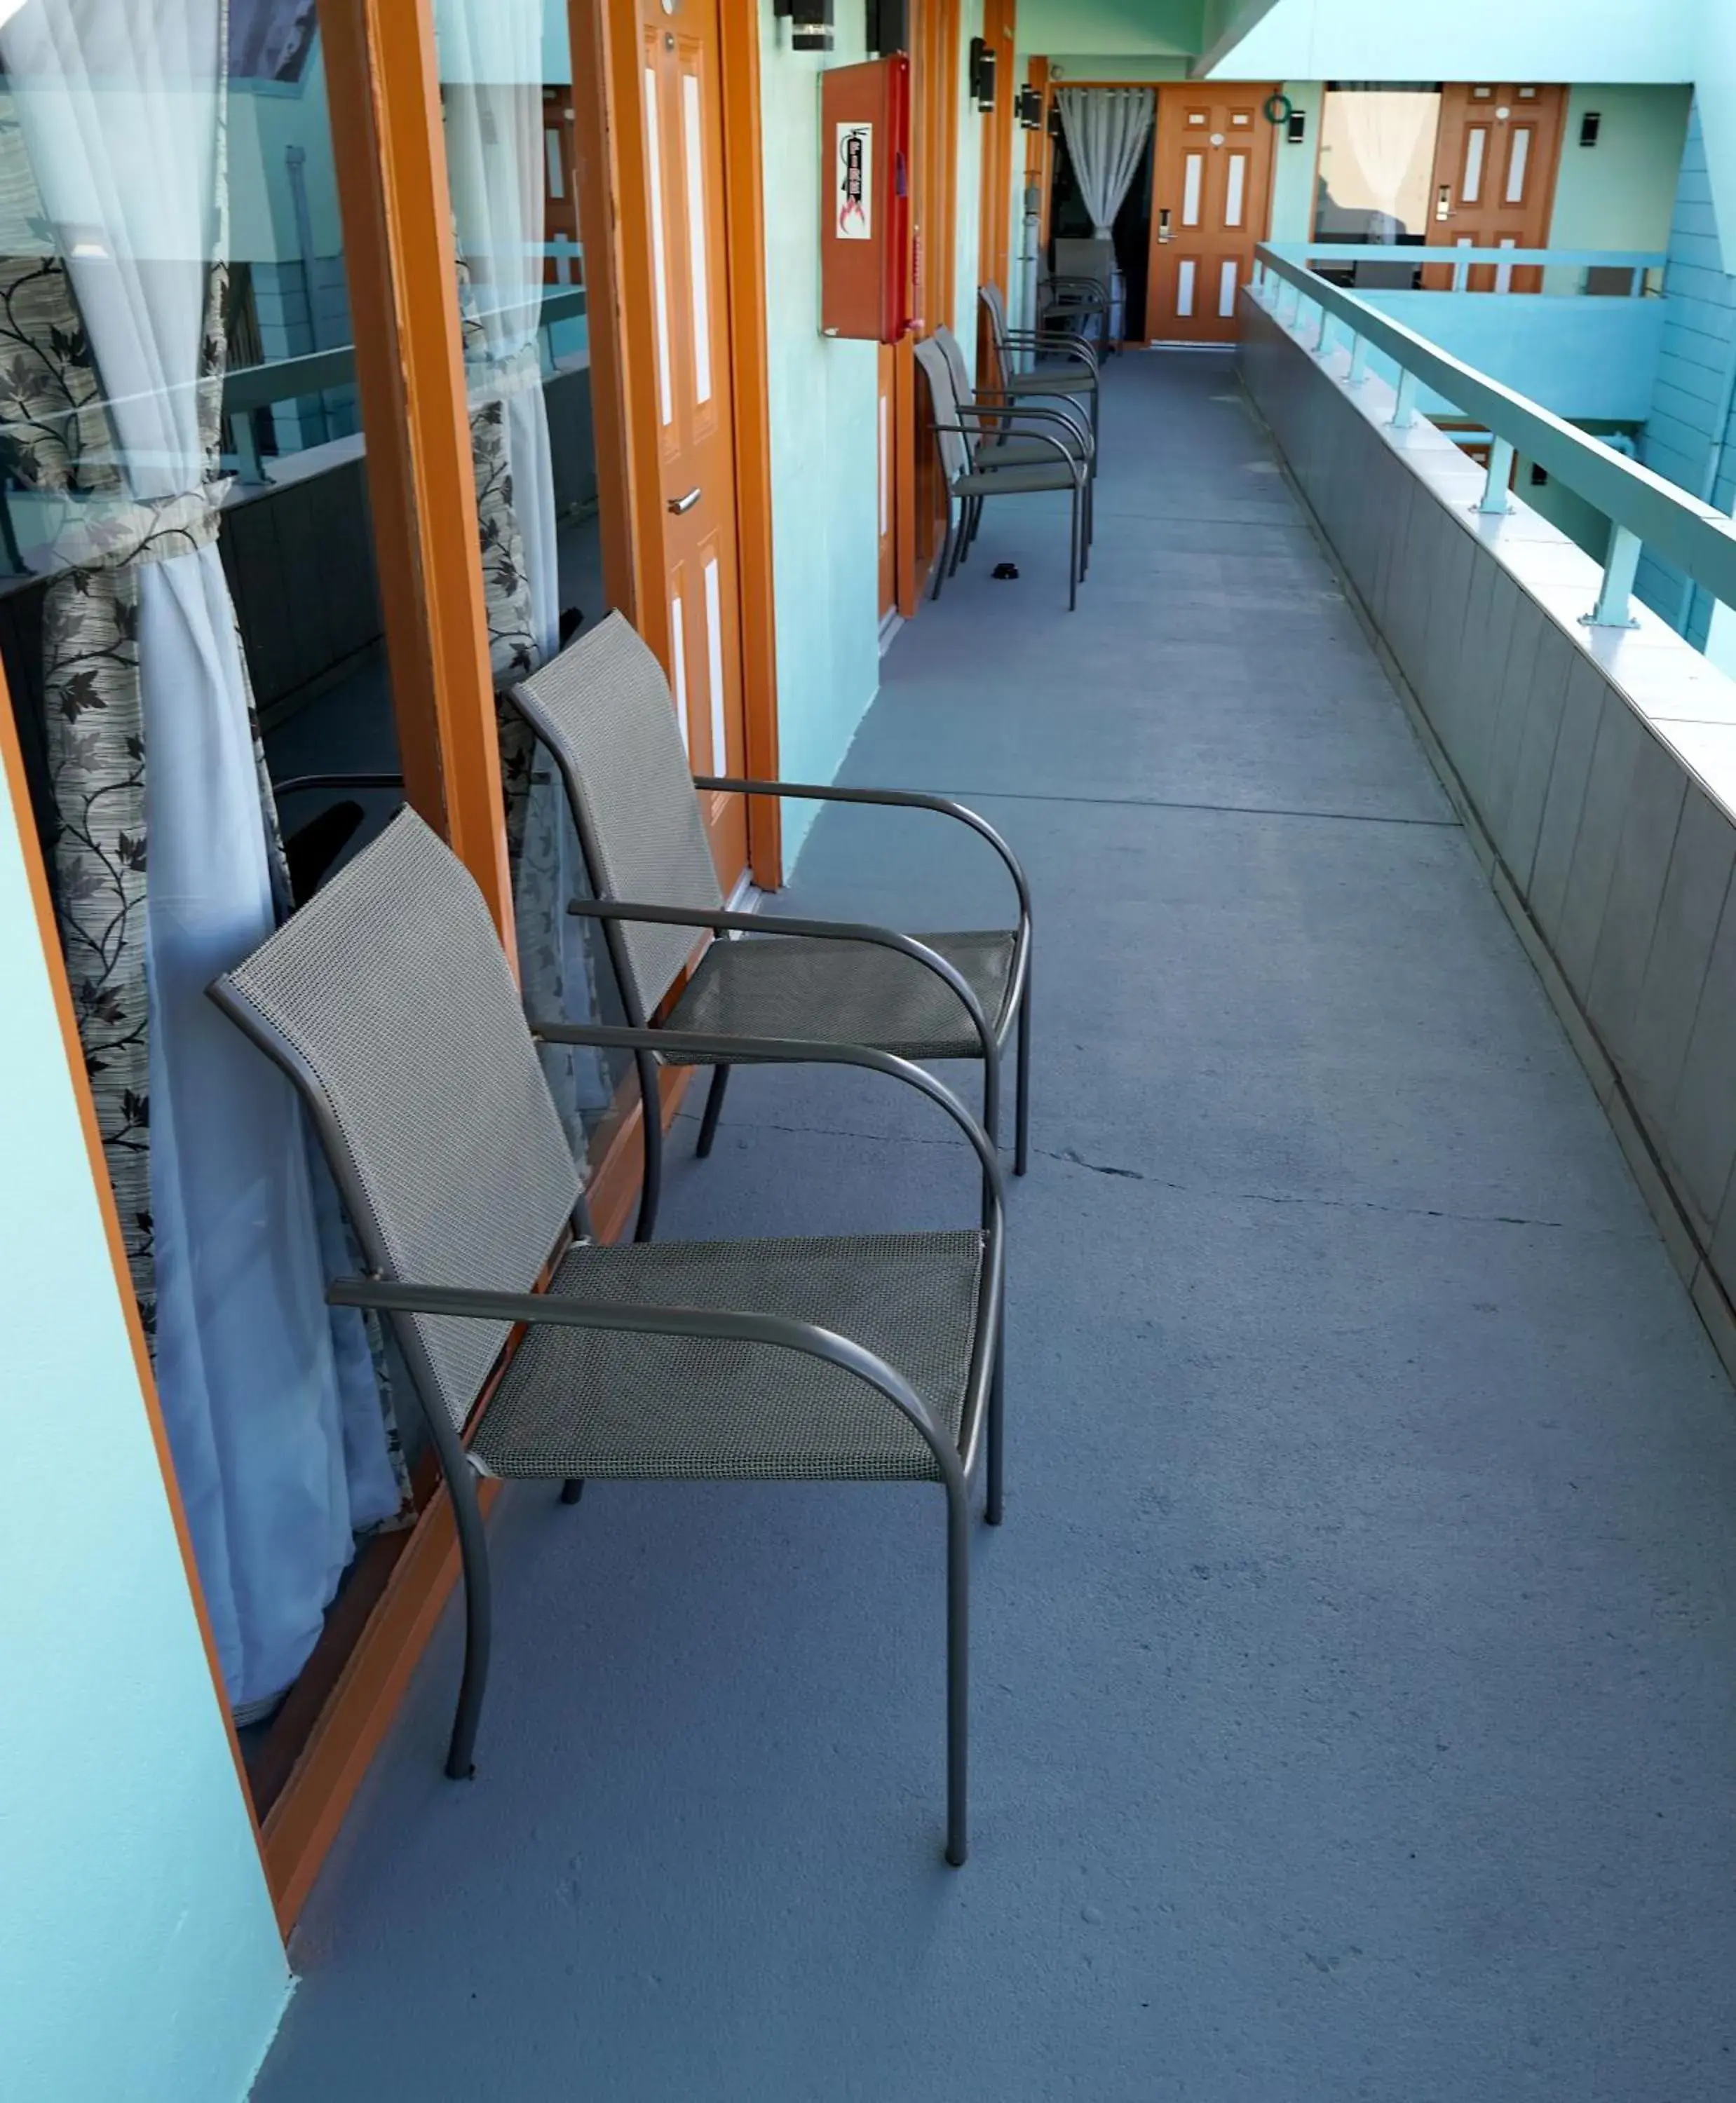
(1377, 159)
(117, 144)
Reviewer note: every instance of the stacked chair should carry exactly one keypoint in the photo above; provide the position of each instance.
(389, 1003)
(993, 443)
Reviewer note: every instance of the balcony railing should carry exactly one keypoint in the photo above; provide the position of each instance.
(1345, 329)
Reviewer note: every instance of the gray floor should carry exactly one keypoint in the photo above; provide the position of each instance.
(1355, 1713)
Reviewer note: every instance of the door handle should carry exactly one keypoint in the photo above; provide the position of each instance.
(677, 504)
(1164, 233)
(1444, 202)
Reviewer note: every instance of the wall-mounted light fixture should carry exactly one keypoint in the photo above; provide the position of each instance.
(982, 74)
(810, 23)
(1029, 108)
(1590, 125)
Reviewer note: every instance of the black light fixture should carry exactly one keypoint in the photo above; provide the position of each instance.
(810, 23)
(1030, 108)
(888, 26)
(982, 74)
(1590, 125)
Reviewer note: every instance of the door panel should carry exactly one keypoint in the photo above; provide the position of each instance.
(683, 145)
(1494, 183)
(1210, 197)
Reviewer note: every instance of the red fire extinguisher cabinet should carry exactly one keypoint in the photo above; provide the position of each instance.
(864, 200)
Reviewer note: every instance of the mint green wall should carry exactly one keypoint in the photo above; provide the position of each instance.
(1714, 88)
(1126, 27)
(824, 396)
(1619, 193)
(1294, 167)
(1568, 40)
(1131, 67)
(138, 1955)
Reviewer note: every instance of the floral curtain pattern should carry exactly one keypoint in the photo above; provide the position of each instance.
(167, 860)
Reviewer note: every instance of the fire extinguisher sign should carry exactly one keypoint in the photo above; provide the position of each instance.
(853, 194)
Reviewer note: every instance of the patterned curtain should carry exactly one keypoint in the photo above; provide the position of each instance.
(113, 188)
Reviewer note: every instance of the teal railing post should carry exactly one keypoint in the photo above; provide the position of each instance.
(1359, 360)
(1620, 565)
(1494, 497)
(1404, 407)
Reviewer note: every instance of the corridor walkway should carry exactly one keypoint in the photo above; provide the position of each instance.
(1355, 1681)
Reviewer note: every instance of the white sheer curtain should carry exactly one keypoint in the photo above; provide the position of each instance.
(491, 69)
(1107, 130)
(273, 1413)
(1390, 136)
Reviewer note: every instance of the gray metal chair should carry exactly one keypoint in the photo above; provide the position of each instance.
(969, 483)
(389, 1003)
(1006, 430)
(603, 710)
(1077, 375)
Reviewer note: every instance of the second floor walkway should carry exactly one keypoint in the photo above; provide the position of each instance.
(1354, 1713)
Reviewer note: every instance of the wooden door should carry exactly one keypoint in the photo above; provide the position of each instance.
(560, 198)
(1495, 159)
(1211, 196)
(696, 450)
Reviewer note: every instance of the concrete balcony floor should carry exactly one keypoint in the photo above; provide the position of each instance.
(1355, 1709)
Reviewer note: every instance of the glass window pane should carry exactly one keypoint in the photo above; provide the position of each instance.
(507, 95)
(1377, 158)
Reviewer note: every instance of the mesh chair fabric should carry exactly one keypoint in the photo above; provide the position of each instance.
(847, 992)
(390, 987)
(593, 1402)
(603, 709)
(954, 452)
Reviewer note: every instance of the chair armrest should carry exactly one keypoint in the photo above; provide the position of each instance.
(1060, 409)
(791, 1051)
(547, 1310)
(755, 923)
(299, 782)
(904, 799)
(1062, 339)
(1038, 438)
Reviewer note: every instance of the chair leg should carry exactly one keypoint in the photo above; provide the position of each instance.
(1073, 556)
(1021, 1086)
(713, 1110)
(650, 1119)
(958, 1674)
(993, 1508)
(573, 1489)
(945, 557)
(472, 1552)
(961, 538)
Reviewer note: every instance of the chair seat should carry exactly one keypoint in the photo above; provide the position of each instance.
(1011, 481)
(579, 1402)
(847, 992)
(1064, 379)
(1021, 451)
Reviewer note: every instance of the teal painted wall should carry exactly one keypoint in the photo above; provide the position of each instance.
(825, 420)
(1567, 40)
(1690, 412)
(1619, 193)
(138, 1955)
(1109, 27)
(1293, 167)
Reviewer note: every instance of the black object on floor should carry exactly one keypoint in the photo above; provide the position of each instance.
(1004, 570)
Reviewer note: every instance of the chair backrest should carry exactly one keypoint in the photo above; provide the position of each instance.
(603, 709)
(995, 308)
(389, 1002)
(1094, 258)
(955, 451)
(958, 371)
